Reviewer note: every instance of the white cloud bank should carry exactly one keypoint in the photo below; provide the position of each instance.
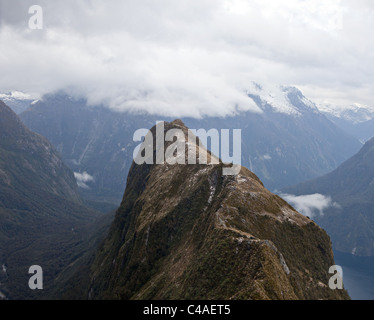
(310, 205)
(83, 179)
(189, 58)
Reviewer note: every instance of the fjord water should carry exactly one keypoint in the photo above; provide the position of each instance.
(358, 275)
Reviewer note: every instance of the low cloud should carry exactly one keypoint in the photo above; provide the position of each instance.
(310, 205)
(189, 58)
(83, 179)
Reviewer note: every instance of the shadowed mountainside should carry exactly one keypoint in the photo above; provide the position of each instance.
(42, 219)
(350, 223)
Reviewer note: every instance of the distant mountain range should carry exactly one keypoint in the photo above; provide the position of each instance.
(289, 141)
(358, 120)
(42, 219)
(188, 232)
(350, 223)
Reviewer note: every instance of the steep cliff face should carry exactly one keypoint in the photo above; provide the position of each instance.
(189, 232)
(28, 160)
(41, 216)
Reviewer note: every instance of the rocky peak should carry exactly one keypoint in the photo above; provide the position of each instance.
(189, 232)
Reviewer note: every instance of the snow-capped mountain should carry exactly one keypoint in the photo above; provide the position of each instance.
(355, 113)
(282, 99)
(356, 119)
(18, 101)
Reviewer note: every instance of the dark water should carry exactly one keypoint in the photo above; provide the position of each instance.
(358, 275)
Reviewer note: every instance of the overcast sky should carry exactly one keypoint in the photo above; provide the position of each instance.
(190, 57)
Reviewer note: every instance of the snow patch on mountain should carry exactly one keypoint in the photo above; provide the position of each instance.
(18, 101)
(355, 113)
(283, 99)
(17, 95)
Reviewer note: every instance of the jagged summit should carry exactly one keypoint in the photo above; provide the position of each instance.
(189, 232)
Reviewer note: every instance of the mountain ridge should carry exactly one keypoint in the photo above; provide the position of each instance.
(188, 232)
